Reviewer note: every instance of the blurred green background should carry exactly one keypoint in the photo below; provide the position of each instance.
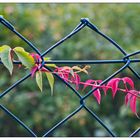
(44, 25)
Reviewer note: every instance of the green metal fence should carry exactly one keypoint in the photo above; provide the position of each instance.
(84, 23)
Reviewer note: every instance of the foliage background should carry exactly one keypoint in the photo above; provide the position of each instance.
(44, 25)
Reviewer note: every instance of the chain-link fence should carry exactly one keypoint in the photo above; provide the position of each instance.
(82, 99)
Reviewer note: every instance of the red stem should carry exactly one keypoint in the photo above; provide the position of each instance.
(123, 90)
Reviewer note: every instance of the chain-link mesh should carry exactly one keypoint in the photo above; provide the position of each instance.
(83, 23)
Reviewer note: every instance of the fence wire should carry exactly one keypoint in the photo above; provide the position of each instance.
(83, 23)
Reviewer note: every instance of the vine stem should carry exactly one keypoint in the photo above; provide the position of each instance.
(123, 90)
(83, 83)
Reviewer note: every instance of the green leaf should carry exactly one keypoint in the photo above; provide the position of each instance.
(5, 55)
(51, 65)
(39, 79)
(51, 80)
(25, 58)
(47, 58)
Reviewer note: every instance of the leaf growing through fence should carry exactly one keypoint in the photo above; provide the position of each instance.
(51, 65)
(25, 58)
(97, 95)
(88, 82)
(39, 79)
(5, 55)
(50, 80)
(113, 83)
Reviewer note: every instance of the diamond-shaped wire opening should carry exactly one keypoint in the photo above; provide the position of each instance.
(34, 101)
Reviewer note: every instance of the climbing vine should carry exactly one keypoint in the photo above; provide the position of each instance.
(34, 63)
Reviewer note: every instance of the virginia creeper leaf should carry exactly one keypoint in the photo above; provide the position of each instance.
(36, 57)
(47, 58)
(132, 98)
(127, 98)
(129, 81)
(51, 65)
(50, 80)
(113, 83)
(5, 55)
(61, 75)
(39, 79)
(33, 70)
(25, 58)
(80, 69)
(72, 72)
(88, 82)
(76, 80)
(97, 95)
(133, 104)
(66, 76)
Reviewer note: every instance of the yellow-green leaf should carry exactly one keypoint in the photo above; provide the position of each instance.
(39, 79)
(25, 58)
(51, 65)
(47, 58)
(5, 55)
(81, 69)
(50, 80)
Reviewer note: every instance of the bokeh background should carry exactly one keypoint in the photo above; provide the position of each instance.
(44, 25)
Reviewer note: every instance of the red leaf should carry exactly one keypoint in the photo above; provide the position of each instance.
(88, 82)
(113, 83)
(97, 95)
(104, 89)
(127, 98)
(33, 70)
(77, 80)
(99, 81)
(66, 76)
(44, 69)
(35, 56)
(132, 98)
(61, 74)
(129, 81)
(133, 104)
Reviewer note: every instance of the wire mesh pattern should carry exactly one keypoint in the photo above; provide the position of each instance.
(83, 23)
